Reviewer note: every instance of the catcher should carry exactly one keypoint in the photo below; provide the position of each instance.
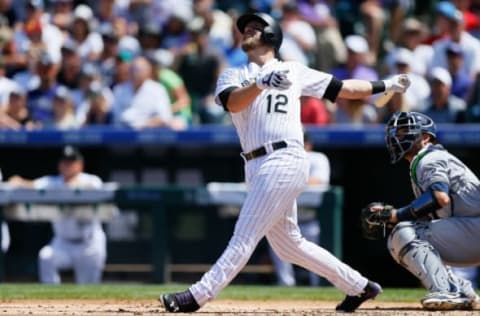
(441, 226)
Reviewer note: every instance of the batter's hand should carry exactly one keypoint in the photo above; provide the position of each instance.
(398, 83)
(276, 79)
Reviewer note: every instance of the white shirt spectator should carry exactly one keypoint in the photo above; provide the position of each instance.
(470, 48)
(137, 108)
(6, 86)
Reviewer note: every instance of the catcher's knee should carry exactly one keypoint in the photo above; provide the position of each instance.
(400, 240)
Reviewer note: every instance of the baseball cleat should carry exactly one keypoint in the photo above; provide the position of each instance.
(182, 302)
(446, 301)
(351, 303)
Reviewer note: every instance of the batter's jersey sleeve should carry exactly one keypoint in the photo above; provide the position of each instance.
(314, 83)
(227, 79)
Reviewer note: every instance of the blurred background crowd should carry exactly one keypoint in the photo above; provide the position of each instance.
(67, 64)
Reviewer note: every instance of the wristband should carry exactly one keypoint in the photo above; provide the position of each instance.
(378, 86)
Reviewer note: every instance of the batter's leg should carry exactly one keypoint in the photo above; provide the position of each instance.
(288, 243)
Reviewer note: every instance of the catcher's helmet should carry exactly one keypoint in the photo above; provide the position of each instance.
(272, 33)
(404, 129)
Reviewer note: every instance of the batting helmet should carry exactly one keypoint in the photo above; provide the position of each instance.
(272, 33)
(404, 129)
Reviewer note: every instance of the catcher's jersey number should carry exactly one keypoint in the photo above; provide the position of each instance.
(277, 103)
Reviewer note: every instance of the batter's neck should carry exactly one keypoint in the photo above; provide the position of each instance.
(260, 56)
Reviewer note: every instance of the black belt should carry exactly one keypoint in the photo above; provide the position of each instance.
(262, 151)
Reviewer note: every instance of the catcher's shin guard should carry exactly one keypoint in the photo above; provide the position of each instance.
(420, 258)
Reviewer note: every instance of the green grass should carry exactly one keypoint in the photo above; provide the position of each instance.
(147, 292)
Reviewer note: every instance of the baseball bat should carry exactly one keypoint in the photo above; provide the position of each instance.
(383, 99)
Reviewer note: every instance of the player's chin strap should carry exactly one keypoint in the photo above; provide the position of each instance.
(421, 206)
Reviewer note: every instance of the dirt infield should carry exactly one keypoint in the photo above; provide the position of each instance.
(220, 307)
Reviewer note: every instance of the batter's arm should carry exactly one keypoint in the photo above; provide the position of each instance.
(357, 89)
(236, 99)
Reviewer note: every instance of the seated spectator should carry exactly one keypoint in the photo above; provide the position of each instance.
(469, 44)
(313, 111)
(6, 85)
(99, 105)
(412, 35)
(141, 102)
(71, 66)
(40, 99)
(199, 61)
(63, 110)
(179, 98)
(443, 107)
(78, 242)
(419, 90)
(16, 115)
(355, 111)
(89, 42)
(461, 81)
(299, 38)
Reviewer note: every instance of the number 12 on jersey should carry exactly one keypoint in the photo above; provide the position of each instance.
(277, 103)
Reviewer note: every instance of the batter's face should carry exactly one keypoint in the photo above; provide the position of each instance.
(251, 37)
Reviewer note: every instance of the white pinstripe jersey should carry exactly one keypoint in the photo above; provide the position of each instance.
(437, 165)
(274, 115)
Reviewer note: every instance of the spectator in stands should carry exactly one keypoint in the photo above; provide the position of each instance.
(179, 98)
(216, 21)
(234, 55)
(107, 60)
(71, 66)
(471, 19)
(443, 106)
(412, 34)
(330, 50)
(149, 37)
(419, 93)
(61, 14)
(6, 85)
(40, 31)
(63, 110)
(457, 34)
(461, 80)
(89, 42)
(198, 61)
(473, 109)
(99, 105)
(355, 111)
(319, 178)
(40, 99)
(374, 20)
(313, 111)
(16, 115)
(299, 38)
(78, 239)
(141, 102)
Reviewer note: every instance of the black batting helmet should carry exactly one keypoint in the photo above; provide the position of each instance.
(272, 33)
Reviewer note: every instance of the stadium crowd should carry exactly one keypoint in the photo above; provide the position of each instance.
(154, 63)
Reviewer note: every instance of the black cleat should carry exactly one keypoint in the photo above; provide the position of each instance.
(182, 302)
(351, 303)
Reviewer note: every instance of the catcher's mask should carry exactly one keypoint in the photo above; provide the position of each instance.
(404, 130)
(272, 33)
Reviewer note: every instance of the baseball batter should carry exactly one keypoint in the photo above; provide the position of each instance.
(437, 229)
(263, 99)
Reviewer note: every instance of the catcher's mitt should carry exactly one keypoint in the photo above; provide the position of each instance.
(375, 222)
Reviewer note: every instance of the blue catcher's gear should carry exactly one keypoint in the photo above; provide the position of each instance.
(404, 130)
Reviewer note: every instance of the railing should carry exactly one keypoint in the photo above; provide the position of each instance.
(337, 135)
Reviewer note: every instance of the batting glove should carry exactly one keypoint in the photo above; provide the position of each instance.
(276, 79)
(398, 83)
